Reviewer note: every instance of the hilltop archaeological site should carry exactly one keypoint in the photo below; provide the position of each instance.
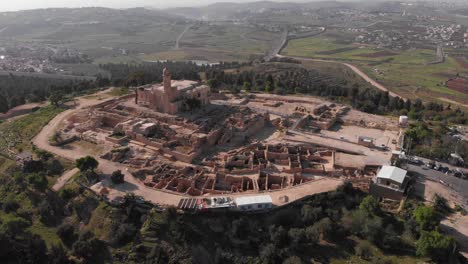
(180, 138)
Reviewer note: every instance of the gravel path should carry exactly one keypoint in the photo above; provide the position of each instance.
(62, 180)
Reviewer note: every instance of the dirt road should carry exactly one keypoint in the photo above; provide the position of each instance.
(177, 44)
(20, 110)
(62, 180)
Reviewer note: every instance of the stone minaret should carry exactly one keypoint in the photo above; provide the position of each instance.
(167, 81)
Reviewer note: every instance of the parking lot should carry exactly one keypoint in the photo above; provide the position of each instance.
(458, 185)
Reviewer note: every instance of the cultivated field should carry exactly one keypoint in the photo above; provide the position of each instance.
(215, 42)
(407, 73)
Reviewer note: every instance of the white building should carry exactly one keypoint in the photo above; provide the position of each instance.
(254, 203)
(391, 183)
(392, 177)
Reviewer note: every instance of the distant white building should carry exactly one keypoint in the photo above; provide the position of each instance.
(254, 203)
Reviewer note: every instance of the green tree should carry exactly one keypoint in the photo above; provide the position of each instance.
(426, 217)
(310, 214)
(38, 181)
(86, 163)
(247, 86)
(87, 246)
(3, 104)
(364, 249)
(117, 177)
(10, 205)
(213, 83)
(268, 253)
(67, 234)
(278, 235)
(293, 260)
(313, 234)
(90, 175)
(324, 227)
(135, 79)
(370, 205)
(54, 167)
(435, 245)
(267, 87)
(440, 205)
(297, 236)
(373, 229)
(14, 226)
(55, 98)
(57, 255)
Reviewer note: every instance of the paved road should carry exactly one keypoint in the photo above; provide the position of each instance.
(460, 186)
(275, 50)
(443, 164)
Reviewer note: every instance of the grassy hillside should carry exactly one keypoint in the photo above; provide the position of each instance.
(17, 134)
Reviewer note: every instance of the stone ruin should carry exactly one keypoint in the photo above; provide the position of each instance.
(182, 137)
(322, 117)
(255, 168)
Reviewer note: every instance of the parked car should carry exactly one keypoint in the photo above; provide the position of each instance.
(429, 165)
(415, 161)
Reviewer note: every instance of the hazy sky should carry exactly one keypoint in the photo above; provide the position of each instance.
(13, 5)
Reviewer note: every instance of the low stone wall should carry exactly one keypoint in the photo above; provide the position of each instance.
(244, 171)
(116, 140)
(64, 142)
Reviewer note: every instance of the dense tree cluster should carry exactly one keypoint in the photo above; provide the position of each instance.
(17, 90)
(434, 140)
(25, 199)
(86, 163)
(297, 233)
(145, 73)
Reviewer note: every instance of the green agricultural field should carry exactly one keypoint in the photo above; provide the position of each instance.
(408, 73)
(226, 37)
(419, 80)
(217, 42)
(326, 47)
